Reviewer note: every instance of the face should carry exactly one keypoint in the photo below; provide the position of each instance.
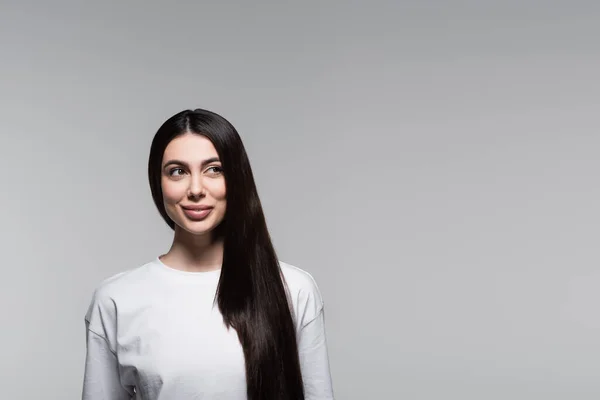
(192, 178)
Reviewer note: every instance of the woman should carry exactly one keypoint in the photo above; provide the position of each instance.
(217, 316)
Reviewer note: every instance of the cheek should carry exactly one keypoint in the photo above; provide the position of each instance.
(222, 195)
(218, 191)
(171, 193)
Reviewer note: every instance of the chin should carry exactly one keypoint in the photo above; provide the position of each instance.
(198, 228)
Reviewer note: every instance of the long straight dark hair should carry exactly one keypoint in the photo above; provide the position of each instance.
(251, 292)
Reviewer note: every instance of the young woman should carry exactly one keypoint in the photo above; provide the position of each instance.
(218, 316)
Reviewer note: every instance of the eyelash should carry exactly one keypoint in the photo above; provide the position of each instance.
(220, 170)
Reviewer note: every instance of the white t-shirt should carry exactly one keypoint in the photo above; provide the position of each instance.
(153, 333)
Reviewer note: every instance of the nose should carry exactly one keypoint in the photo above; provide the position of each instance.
(195, 189)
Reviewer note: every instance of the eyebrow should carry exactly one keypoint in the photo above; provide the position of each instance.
(203, 164)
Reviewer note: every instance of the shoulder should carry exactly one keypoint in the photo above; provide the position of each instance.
(298, 278)
(119, 282)
(102, 309)
(304, 293)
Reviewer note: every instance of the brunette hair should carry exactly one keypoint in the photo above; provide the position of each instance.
(251, 293)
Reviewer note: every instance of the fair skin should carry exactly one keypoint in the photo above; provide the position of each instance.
(192, 176)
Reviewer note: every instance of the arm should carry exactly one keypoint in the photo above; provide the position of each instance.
(314, 359)
(101, 376)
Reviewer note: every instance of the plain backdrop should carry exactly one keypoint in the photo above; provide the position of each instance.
(433, 164)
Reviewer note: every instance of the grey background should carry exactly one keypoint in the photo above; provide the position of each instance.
(433, 164)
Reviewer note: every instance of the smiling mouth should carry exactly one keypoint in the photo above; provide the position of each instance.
(197, 213)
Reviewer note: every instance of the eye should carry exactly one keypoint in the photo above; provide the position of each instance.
(173, 170)
(215, 169)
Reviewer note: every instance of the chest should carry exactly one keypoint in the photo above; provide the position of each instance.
(180, 346)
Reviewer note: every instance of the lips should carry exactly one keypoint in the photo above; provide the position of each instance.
(197, 208)
(197, 213)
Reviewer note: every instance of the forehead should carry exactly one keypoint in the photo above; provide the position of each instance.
(190, 147)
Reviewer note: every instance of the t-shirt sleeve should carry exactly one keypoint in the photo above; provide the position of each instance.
(102, 380)
(312, 347)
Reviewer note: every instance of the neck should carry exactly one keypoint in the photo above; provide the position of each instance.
(194, 253)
